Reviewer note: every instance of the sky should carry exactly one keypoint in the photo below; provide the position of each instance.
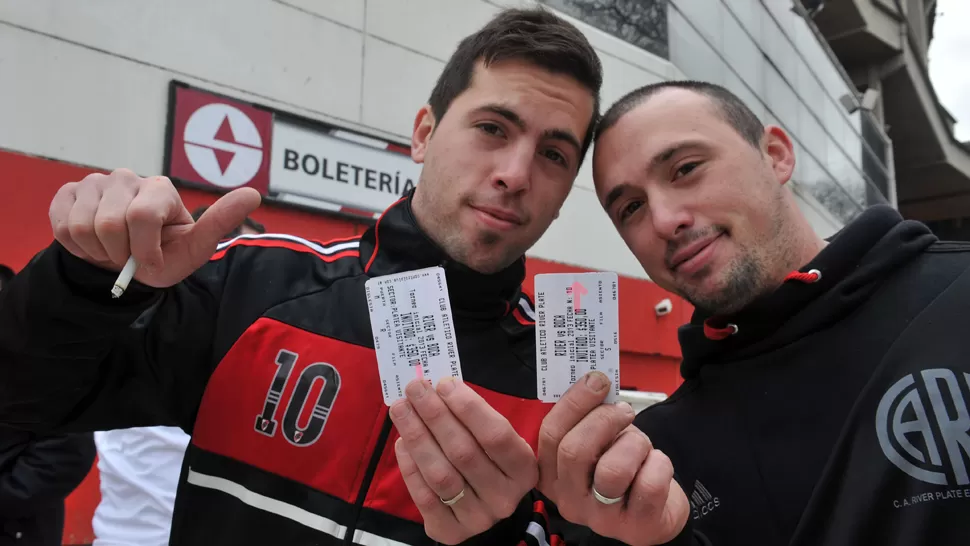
(949, 65)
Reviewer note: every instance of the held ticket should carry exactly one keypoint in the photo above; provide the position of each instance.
(414, 334)
(577, 331)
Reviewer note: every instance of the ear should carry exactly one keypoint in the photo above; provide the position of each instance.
(424, 124)
(778, 148)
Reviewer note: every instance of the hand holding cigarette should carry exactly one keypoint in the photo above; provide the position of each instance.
(139, 226)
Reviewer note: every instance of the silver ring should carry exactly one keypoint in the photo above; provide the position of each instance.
(605, 500)
(453, 500)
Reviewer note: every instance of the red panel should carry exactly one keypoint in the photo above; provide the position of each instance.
(650, 372)
(79, 509)
(388, 492)
(27, 186)
(238, 390)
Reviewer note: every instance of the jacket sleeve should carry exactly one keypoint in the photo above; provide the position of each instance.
(72, 358)
(43, 472)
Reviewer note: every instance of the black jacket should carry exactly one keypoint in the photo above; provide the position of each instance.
(236, 353)
(837, 413)
(36, 475)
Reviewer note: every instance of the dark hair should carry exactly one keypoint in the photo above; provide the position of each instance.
(534, 35)
(732, 109)
(248, 222)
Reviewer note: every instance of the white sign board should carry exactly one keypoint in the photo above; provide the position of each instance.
(339, 167)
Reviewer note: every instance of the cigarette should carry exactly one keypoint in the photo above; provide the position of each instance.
(124, 278)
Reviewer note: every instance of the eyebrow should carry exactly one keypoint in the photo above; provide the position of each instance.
(562, 135)
(673, 150)
(615, 194)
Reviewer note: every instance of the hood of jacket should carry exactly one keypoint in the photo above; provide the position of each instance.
(839, 279)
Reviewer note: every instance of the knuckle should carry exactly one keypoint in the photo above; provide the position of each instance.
(550, 435)
(137, 213)
(572, 452)
(109, 224)
(434, 412)
(613, 474)
(462, 405)
(425, 500)
(618, 417)
(92, 179)
(643, 440)
(464, 455)
(442, 479)
(62, 231)
(123, 173)
(652, 490)
(415, 435)
(498, 437)
(80, 229)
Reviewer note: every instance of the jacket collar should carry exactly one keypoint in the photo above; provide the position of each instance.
(396, 244)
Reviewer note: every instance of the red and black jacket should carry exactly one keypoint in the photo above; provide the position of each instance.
(265, 356)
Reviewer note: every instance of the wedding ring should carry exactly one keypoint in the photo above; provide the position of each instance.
(456, 498)
(605, 500)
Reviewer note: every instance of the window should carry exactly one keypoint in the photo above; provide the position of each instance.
(642, 23)
(874, 154)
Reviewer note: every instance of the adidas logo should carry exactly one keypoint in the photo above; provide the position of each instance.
(702, 502)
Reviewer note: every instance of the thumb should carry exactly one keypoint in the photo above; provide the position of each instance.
(223, 216)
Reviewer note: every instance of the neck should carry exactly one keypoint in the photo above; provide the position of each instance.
(801, 244)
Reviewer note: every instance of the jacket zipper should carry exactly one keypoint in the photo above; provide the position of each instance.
(368, 478)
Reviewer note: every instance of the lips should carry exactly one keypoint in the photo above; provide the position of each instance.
(691, 250)
(504, 215)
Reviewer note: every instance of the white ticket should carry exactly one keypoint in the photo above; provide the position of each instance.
(414, 334)
(577, 331)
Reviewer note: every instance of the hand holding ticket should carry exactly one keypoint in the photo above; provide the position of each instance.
(458, 456)
(577, 331)
(414, 334)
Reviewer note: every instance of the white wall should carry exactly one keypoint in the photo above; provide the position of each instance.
(87, 82)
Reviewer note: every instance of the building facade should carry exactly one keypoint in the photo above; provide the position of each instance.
(93, 86)
(883, 45)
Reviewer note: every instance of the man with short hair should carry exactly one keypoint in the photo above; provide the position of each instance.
(262, 346)
(826, 382)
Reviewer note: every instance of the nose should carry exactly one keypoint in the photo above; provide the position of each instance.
(514, 173)
(669, 217)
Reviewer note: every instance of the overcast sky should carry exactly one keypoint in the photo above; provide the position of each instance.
(949, 65)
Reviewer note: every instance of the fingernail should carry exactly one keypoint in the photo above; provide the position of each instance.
(416, 389)
(400, 409)
(625, 408)
(446, 386)
(597, 381)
